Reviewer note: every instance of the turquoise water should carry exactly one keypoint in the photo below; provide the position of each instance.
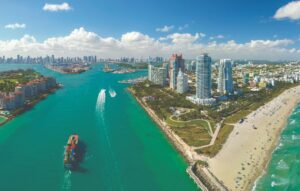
(125, 149)
(283, 173)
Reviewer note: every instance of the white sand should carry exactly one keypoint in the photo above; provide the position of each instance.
(247, 150)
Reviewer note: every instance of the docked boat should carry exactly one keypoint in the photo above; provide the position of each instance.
(71, 152)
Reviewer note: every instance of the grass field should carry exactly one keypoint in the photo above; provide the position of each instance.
(198, 122)
(221, 139)
(234, 118)
(194, 133)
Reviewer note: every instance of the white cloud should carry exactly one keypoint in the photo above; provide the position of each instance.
(185, 37)
(220, 36)
(183, 27)
(56, 7)
(165, 38)
(289, 11)
(165, 28)
(15, 26)
(82, 42)
(270, 43)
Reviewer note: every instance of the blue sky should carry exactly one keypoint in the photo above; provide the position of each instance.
(221, 21)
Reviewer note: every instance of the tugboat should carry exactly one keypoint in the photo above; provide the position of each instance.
(71, 152)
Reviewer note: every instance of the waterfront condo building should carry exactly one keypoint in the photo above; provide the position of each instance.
(182, 82)
(176, 63)
(225, 81)
(157, 75)
(14, 100)
(203, 81)
(203, 77)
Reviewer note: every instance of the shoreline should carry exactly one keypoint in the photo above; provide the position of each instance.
(163, 127)
(275, 145)
(29, 105)
(6, 120)
(215, 175)
(180, 146)
(61, 71)
(273, 150)
(255, 146)
(267, 161)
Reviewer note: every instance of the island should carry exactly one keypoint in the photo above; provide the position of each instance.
(133, 80)
(123, 68)
(124, 71)
(21, 90)
(68, 68)
(229, 143)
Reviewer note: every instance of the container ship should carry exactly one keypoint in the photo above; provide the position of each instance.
(71, 152)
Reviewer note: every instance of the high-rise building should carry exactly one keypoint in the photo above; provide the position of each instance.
(203, 81)
(176, 63)
(150, 68)
(182, 82)
(157, 75)
(166, 66)
(191, 66)
(225, 81)
(203, 77)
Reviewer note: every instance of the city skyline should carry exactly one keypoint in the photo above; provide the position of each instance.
(149, 95)
(73, 31)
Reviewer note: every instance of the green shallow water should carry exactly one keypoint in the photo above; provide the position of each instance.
(125, 149)
(283, 172)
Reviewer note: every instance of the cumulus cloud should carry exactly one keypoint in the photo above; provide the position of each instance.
(289, 11)
(220, 36)
(270, 43)
(56, 7)
(185, 37)
(165, 28)
(81, 42)
(15, 26)
(183, 27)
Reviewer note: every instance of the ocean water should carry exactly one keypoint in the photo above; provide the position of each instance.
(125, 150)
(283, 172)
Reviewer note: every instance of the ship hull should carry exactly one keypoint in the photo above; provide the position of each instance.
(71, 153)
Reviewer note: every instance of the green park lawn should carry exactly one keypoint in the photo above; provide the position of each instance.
(221, 139)
(194, 133)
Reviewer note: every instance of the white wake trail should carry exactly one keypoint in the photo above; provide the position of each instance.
(67, 184)
(100, 109)
(112, 93)
(101, 101)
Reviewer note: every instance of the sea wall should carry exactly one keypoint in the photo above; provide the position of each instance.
(164, 128)
(201, 183)
(206, 179)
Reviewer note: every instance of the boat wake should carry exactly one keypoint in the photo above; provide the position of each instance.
(112, 93)
(67, 181)
(101, 101)
(100, 108)
(88, 157)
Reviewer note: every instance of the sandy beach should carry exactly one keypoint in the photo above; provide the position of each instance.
(248, 149)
